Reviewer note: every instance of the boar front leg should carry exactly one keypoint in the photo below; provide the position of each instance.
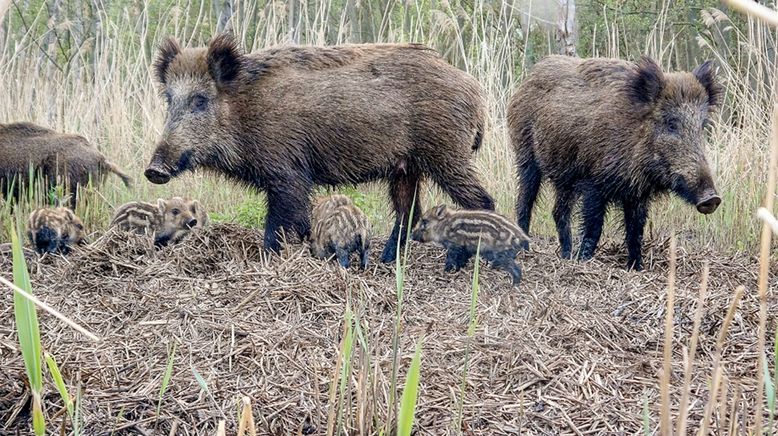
(289, 212)
(635, 216)
(563, 206)
(593, 211)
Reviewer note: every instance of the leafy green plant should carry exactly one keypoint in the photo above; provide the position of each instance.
(28, 330)
(470, 332)
(63, 392)
(410, 395)
(166, 378)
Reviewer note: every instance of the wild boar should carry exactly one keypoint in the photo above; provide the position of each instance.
(169, 221)
(461, 232)
(339, 227)
(56, 157)
(55, 230)
(285, 119)
(611, 132)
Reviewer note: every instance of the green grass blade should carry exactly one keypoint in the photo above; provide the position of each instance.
(348, 347)
(201, 381)
(646, 419)
(166, 378)
(59, 383)
(29, 332)
(410, 395)
(470, 332)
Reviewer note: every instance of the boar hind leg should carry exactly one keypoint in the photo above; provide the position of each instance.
(288, 212)
(456, 258)
(635, 215)
(562, 208)
(460, 182)
(506, 261)
(404, 192)
(593, 212)
(529, 185)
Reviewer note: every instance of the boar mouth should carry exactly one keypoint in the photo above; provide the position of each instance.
(160, 173)
(416, 236)
(706, 202)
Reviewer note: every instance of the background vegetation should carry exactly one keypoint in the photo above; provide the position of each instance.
(84, 66)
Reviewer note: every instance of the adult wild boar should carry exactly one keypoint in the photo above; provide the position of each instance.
(285, 119)
(610, 131)
(56, 157)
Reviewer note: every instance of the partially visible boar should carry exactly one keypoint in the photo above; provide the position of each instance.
(169, 221)
(340, 228)
(461, 232)
(56, 157)
(55, 230)
(611, 132)
(286, 119)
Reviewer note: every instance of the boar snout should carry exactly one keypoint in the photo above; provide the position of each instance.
(709, 202)
(157, 175)
(417, 235)
(191, 224)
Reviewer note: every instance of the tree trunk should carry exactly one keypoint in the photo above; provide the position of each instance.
(225, 15)
(294, 35)
(566, 34)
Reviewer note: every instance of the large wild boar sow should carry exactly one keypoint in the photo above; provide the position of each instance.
(286, 119)
(610, 131)
(57, 157)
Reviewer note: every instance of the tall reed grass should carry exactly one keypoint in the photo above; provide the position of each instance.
(104, 89)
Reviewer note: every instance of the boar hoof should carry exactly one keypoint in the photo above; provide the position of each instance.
(634, 265)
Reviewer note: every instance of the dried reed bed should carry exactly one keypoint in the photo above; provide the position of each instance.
(577, 349)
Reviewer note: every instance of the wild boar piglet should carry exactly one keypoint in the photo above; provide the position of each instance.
(340, 228)
(55, 230)
(169, 221)
(461, 232)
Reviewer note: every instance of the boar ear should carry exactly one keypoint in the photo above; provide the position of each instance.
(707, 77)
(225, 59)
(647, 82)
(168, 50)
(441, 211)
(161, 205)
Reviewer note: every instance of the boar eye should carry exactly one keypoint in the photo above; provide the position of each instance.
(199, 103)
(79, 227)
(175, 212)
(673, 125)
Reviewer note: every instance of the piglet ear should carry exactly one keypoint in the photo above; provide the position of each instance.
(168, 50)
(706, 74)
(225, 59)
(441, 211)
(647, 82)
(161, 205)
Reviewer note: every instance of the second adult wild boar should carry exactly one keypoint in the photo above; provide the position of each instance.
(288, 118)
(611, 131)
(56, 157)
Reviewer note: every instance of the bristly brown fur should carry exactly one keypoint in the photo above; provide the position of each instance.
(465, 232)
(55, 230)
(338, 227)
(286, 119)
(611, 132)
(56, 157)
(168, 50)
(169, 221)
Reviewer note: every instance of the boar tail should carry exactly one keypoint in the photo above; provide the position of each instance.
(112, 167)
(479, 137)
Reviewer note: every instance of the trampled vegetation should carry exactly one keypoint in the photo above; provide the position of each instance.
(580, 348)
